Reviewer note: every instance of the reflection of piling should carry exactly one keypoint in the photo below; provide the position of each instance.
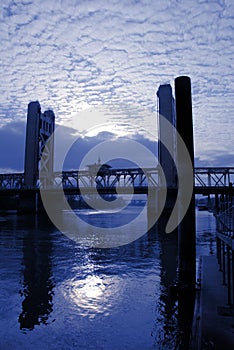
(186, 233)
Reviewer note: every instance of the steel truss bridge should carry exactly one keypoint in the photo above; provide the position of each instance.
(206, 181)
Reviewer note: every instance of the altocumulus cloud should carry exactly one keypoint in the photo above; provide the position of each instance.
(75, 54)
(12, 138)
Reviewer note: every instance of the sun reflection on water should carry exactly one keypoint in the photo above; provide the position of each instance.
(93, 295)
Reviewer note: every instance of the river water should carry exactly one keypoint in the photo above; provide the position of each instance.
(58, 294)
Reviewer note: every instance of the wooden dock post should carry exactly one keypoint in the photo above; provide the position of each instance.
(186, 230)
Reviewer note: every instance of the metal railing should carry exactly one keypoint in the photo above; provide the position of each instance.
(225, 221)
(206, 178)
(225, 248)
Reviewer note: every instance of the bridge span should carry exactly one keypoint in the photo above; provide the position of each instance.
(132, 180)
(175, 124)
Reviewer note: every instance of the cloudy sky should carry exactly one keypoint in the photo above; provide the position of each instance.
(74, 55)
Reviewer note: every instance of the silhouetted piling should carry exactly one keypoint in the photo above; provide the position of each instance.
(186, 231)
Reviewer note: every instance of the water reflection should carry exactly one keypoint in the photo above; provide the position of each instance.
(206, 233)
(119, 297)
(167, 337)
(37, 287)
(93, 295)
(100, 287)
(175, 311)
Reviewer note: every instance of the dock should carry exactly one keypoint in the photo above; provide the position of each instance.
(213, 324)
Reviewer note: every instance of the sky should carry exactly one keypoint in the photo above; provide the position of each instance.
(74, 56)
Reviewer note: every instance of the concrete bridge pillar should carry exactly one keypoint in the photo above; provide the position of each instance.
(39, 131)
(40, 127)
(27, 203)
(152, 206)
(166, 109)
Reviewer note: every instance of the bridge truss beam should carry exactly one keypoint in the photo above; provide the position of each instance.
(205, 179)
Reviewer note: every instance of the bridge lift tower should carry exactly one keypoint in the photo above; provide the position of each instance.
(178, 112)
(40, 128)
(166, 109)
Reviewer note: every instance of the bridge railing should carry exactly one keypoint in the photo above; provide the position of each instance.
(11, 181)
(109, 178)
(203, 178)
(213, 177)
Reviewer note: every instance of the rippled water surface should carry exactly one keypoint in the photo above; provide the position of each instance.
(58, 294)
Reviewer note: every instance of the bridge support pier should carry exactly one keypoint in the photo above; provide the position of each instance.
(152, 206)
(52, 203)
(27, 203)
(170, 199)
(8, 202)
(156, 203)
(31, 202)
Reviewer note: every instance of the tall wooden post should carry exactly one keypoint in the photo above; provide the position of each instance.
(186, 230)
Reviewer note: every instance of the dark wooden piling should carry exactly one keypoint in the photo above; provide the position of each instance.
(186, 230)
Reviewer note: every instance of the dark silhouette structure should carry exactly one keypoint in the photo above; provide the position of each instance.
(166, 108)
(40, 128)
(187, 231)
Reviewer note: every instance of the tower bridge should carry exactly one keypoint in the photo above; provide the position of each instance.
(177, 112)
(22, 190)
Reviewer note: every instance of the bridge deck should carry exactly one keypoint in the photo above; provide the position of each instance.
(206, 180)
(113, 190)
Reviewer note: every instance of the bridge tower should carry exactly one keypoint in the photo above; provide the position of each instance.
(40, 126)
(179, 114)
(166, 109)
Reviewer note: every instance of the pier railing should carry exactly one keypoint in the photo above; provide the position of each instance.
(225, 221)
(225, 250)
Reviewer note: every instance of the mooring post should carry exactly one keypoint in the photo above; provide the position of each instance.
(186, 229)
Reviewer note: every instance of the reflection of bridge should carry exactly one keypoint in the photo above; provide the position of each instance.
(206, 181)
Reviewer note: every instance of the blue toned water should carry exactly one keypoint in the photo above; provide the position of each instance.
(56, 294)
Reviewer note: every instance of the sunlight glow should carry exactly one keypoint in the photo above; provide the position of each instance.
(93, 295)
(121, 121)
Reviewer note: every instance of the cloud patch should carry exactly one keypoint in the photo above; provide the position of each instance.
(73, 54)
